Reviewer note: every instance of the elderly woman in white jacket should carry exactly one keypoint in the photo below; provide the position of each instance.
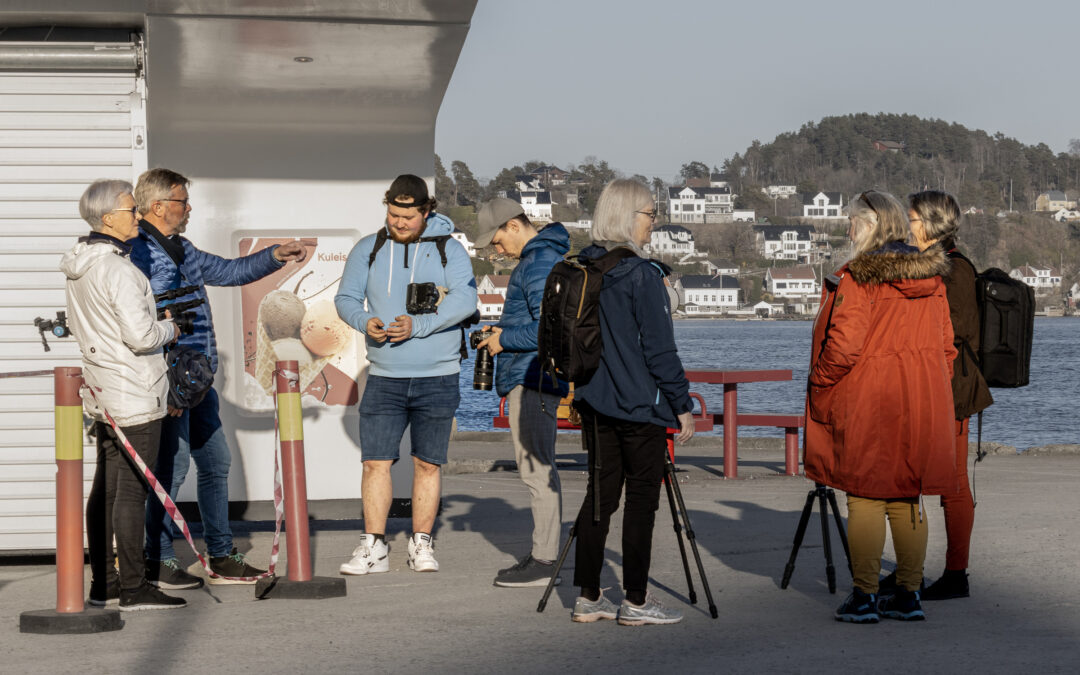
(114, 319)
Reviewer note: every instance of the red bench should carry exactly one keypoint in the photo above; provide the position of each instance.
(789, 423)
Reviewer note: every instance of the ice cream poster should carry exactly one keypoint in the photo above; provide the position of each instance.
(290, 316)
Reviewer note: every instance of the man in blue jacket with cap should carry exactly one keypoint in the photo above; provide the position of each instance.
(533, 397)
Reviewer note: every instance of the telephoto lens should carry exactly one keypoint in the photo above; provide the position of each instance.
(484, 370)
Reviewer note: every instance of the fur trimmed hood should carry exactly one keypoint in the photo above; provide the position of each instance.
(898, 262)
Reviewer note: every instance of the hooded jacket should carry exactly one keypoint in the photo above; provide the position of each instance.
(879, 420)
(113, 318)
(518, 362)
(640, 378)
(379, 291)
(201, 269)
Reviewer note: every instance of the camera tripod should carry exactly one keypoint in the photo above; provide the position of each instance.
(821, 494)
(678, 509)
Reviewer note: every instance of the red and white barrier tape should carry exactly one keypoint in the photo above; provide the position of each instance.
(178, 518)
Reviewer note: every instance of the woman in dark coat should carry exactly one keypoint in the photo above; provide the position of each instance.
(935, 218)
(879, 409)
(637, 393)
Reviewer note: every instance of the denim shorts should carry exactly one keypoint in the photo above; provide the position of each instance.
(426, 405)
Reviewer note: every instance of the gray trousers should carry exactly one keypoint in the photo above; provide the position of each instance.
(532, 428)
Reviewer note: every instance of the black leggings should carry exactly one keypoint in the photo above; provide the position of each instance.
(117, 503)
(630, 453)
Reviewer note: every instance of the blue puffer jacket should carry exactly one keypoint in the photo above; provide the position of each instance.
(518, 363)
(640, 378)
(199, 269)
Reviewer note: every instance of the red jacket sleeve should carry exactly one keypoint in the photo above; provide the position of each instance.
(845, 335)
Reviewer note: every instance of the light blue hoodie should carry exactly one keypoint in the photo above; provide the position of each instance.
(379, 291)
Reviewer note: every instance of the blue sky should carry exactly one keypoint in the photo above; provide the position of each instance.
(649, 86)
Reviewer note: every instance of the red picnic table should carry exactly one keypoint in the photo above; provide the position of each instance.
(731, 379)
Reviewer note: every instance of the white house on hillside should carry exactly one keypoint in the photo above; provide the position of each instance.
(779, 191)
(535, 203)
(784, 242)
(1065, 215)
(490, 305)
(700, 204)
(464, 241)
(717, 266)
(671, 240)
(493, 284)
(1054, 200)
(823, 205)
(705, 294)
(792, 282)
(1039, 278)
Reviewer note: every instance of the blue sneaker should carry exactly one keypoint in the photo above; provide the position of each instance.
(858, 608)
(903, 605)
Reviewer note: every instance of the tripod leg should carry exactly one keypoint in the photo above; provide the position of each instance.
(839, 527)
(558, 566)
(800, 531)
(678, 534)
(690, 535)
(830, 571)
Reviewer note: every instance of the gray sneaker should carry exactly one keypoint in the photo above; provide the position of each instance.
(587, 611)
(651, 612)
(527, 572)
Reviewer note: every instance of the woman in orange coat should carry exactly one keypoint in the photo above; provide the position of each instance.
(879, 405)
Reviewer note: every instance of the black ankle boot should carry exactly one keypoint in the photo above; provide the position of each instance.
(952, 584)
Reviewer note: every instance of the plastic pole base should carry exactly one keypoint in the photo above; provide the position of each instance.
(316, 588)
(51, 622)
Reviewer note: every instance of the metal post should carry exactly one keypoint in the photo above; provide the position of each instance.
(294, 477)
(731, 431)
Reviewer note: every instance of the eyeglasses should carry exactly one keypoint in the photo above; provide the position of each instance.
(653, 215)
(182, 201)
(134, 210)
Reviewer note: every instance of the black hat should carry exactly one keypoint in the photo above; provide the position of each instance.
(190, 376)
(407, 185)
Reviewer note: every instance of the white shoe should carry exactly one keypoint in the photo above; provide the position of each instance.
(422, 553)
(370, 557)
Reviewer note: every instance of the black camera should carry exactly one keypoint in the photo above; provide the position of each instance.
(421, 298)
(484, 370)
(183, 319)
(57, 328)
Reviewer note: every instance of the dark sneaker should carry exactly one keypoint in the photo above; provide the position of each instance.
(233, 565)
(858, 608)
(104, 595)
(588, 611)
(148, 597)
(651, 612)
(903, 605)
(167, 574)
(527, 572)
(952, 584)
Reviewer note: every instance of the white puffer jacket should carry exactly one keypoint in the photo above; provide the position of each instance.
(113, 316)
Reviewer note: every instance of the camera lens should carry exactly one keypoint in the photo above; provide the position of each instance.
(484, 370)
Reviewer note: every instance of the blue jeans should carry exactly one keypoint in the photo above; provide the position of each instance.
(197, 434)
(426, 405)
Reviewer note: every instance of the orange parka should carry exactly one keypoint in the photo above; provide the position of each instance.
(879, 419)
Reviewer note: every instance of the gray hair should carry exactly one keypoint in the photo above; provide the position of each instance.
(100, 198)
(878, 218)
(613, 217)
(938, 211)
(156, 185)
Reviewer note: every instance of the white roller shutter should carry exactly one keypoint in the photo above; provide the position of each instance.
(58, 132)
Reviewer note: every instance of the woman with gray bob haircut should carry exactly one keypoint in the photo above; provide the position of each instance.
(636, 394)
(114, 319)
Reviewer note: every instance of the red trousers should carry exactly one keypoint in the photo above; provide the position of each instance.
(959, 506)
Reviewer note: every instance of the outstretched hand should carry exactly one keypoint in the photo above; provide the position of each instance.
(290, 250)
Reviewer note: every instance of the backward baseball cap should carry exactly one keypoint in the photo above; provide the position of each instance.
(494, 215)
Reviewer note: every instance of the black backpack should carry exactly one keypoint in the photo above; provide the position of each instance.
(1006, 326)
(569, 336)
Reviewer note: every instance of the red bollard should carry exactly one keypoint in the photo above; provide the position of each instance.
(70, 615)
(731, 431)
(300, 583)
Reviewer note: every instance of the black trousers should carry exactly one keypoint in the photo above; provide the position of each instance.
(629, 453)
(117, 503)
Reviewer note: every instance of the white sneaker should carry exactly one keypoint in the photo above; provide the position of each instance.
(368, 558)
(422, 553)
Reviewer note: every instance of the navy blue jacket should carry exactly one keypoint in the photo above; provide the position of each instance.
(199, 269)
(518, 363)
(640, 378)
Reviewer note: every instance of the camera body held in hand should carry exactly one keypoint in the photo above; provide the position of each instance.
(484, 370)
(422, 298)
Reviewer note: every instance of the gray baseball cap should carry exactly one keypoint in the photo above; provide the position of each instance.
(492, 216)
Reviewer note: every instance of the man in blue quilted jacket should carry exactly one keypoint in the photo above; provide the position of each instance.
(532, 396)
(171, 262)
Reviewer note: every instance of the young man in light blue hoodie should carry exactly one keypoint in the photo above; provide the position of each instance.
(414, 351)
